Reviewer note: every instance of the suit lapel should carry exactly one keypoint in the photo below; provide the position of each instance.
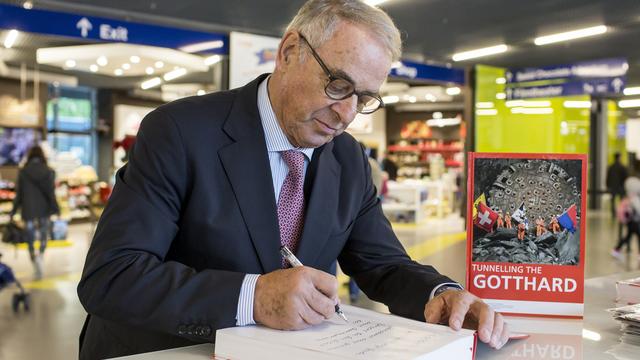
(246, 163)
(323, 201)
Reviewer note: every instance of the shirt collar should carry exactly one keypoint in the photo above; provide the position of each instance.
(274, 136)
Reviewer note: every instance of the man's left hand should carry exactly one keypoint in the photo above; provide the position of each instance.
(460, 308)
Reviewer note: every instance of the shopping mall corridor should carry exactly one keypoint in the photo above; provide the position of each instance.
(50, 330)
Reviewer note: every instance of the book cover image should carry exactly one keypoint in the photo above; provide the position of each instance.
(525, 232)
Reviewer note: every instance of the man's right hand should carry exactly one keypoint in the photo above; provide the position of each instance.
(294, 299)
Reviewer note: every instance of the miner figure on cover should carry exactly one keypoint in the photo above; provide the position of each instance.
(554, 226)
(500, 220)
(540, 226)
(507, 221)
(521, 231)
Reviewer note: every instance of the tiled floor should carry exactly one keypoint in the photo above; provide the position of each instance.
(50, 331)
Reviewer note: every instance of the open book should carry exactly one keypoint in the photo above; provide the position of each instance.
(368, 335)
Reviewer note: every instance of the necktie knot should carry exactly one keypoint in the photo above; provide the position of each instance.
(294, 160)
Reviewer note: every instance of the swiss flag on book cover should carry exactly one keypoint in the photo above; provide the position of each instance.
(486, 218)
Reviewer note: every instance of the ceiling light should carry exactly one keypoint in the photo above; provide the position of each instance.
(70, 63)
(118, 72)
(501, 80)
(94, 68)
(570, 35)
(374, 2)
(174, 74)
(126, 66)
(632, 91)
(453, 91)
(629, 103)
(27, 5)
(531, 111)
(102, 61)
(430, 97)
(491, 50)
(212, 60)
(413, 99)
(207, 45)
(486, 112)
(577, 104)
(149, 70)
(437, 115)
(501, 96)
(11, 38)
(392, 99)
(159, 64)
(151, 83)
(135, 59)
(200, 92)
(484, 105)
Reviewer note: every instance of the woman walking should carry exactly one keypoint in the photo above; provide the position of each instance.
(35, 197)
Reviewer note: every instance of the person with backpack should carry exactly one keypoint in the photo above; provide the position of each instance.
(35, 197)
(629, 213)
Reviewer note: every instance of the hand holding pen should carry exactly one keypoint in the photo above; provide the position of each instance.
(294, 262)
(294, 298)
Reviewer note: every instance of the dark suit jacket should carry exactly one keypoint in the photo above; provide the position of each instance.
(194, 211)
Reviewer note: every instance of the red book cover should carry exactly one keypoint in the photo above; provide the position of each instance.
(526, 219)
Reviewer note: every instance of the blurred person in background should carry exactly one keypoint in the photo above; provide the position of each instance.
(35, 197)
(629, 214)
(616, 175)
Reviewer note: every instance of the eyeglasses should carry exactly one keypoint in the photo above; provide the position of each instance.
(339, 88)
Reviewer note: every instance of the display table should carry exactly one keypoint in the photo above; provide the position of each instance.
(595, 337)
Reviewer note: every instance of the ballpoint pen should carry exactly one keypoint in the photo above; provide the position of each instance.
(294, 262)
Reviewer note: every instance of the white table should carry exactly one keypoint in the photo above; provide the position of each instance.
(596, 337)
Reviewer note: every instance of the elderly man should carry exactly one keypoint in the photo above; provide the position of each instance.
(189, 242)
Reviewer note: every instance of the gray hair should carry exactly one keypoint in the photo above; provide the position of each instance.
(317, 20)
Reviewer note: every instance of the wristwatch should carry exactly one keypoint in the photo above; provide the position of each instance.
(446, 287)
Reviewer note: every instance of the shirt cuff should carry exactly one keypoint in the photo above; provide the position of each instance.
(451, 285)
(244, 315)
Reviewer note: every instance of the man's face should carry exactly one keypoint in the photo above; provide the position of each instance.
(307, 115)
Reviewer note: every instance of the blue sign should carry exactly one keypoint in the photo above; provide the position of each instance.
(417, 71)
(103, 29)
(604, 68)
(589, 87)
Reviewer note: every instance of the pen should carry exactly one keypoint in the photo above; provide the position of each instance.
(294, 262)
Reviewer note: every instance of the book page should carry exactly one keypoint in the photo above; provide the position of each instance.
(367, 335)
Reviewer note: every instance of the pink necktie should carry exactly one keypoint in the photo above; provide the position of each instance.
(291, 201)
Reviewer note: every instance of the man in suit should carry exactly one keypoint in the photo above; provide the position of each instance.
(189, 241)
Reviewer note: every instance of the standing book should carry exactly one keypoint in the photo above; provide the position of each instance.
(526, 231)
(368, 335)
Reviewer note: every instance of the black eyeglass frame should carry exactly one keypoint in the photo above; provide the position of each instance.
(333, 78)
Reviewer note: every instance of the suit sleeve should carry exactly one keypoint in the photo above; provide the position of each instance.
(374, 257)
(127, 278)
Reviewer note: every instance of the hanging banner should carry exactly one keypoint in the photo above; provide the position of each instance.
(607, 86)
(250, 56)
(102, 29)
(417, 71)
(604, 68)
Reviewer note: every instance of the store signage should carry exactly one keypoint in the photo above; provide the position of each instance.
(249, 56)
(416, 71)
(103, 29)
(604, 68)
(588, 87)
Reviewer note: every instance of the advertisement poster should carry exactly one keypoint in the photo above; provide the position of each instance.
(526, 231)
(250, 56)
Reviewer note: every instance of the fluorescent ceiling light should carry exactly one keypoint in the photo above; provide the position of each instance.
(531, 111)
(203, 46)
(491, 50)
(501, 80)
(102, 61)
(11, 38)
(412, 99)
(28, 5)
(174, 74)
(632, 91)
(126, 66)
(570, 35)
(453, 91)
(149, 70)
(94, 68)
(392, 99)
(151, 83)
(570, 104)
(484, 105)
(118, 72)
(437, 115)
(70, 63)
(633, 103)
(200, 92)
(134, 59)
(486, 112)
(159, 64)
(212, 60)
(374, 2)
(501, 96)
